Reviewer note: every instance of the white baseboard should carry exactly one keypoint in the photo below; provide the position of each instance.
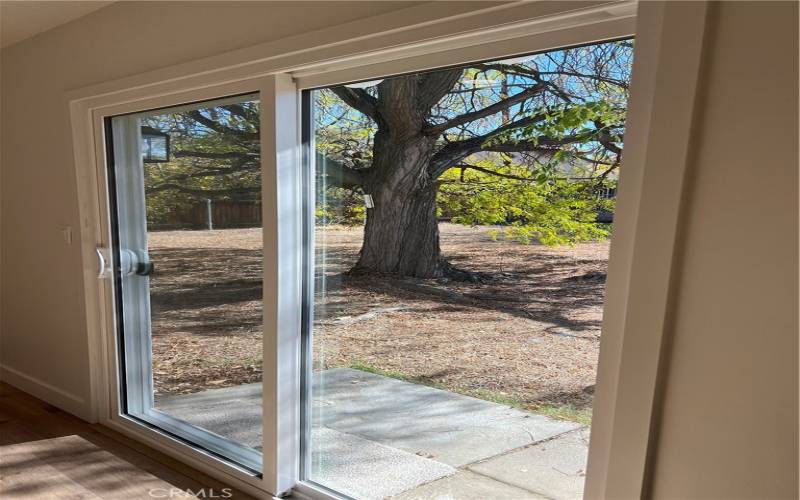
(65, 400)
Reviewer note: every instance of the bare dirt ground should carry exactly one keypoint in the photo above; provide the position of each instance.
(529, 336)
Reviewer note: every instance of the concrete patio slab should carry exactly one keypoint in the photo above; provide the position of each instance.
(437, 424)
(555, 468)
(374, 437)
(467, 485)
(232, 412)
(367, 470)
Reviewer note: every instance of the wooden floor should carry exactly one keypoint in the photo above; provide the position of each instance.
(48, 454)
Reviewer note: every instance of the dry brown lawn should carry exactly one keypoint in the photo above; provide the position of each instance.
(528, 336)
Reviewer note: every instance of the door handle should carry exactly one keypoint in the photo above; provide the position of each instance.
(131, 263)
(103, 262)
(134, 262)
(145, 268)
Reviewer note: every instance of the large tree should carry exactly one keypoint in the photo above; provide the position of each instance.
(555, 113)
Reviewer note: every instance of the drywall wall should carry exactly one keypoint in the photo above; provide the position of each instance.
(43, 343)
(729, 418)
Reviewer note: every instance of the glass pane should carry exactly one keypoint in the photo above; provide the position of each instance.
(190, 219)
(462, 224)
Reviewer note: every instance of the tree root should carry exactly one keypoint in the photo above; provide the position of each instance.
(445, 272)
(453, 273)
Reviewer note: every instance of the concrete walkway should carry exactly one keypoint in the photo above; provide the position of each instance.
(375, 437)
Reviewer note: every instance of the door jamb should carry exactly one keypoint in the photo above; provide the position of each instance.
(636, 314)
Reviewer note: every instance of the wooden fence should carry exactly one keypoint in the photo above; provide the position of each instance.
(212, 215)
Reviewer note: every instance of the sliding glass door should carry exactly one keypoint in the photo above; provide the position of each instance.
(185, 193)
(423, 296)
(461, 220)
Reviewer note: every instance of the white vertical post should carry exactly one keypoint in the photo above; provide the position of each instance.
(209, 217)
(132, 214)
(283, 253)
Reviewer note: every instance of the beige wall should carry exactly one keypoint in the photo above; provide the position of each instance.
(730, 419)
(43, 329)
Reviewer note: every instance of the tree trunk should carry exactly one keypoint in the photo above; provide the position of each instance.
(401, 235)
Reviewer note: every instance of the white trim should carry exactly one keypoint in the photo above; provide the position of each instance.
(282, 201)
(658, 139)
(235, 451)
(306, 490)
(435, 23)
(202, 461)
(182, 108)
(530, 43)
(535, 35)
(92, 205)
(518, 21)
(56, 396)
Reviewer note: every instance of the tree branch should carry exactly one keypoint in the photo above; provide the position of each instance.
(519, 70)
(456, 151)
(216, 126)
(487, 111)
(605, 138)
(542, 144)
(358, 99)
(607, 171)
(241, 112)
(338, 174)
(599, 78)
(435, 85)
(492, 172)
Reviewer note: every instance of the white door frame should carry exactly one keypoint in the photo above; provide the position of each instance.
(351, 52)
(134, 289)
(107, 368)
